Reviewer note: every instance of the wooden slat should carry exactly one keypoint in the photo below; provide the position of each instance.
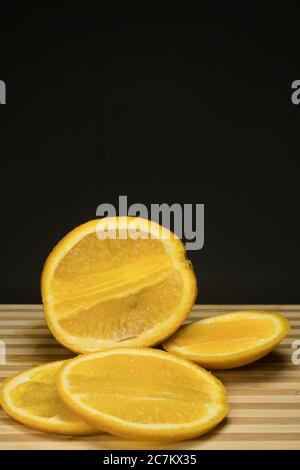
(264, 397)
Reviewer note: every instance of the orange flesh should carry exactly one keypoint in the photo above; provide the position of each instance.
(142, 389)
(225, 336)
(116, 289)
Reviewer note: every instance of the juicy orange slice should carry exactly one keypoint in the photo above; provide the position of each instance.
(31, 398)
(143, 394)
(230, 340)
(106, 285)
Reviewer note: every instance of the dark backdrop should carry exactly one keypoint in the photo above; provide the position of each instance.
(163, 105)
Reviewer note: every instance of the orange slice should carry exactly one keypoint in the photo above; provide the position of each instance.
(143, 394)
(118, 281)
(31, 398)
(230, 340)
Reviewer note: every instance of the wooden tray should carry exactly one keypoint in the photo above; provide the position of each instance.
(264, 397)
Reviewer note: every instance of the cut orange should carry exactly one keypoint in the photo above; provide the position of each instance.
(143, 394)
(31, 398)
(118, 281)
(231, 340)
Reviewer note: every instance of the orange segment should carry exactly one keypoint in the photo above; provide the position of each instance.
(143, 394)
(105, 292)
(230, 340)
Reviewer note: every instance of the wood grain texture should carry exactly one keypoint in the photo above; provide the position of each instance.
(264, 397)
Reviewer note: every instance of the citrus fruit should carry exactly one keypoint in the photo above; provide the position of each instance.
(231, 340)
(105, 285)
(141, 393)
(31, 398)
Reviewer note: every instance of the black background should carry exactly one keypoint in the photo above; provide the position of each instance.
(188, 105)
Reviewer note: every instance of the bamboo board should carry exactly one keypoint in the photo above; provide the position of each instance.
(264, 397)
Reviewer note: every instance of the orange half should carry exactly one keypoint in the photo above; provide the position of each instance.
(119, 281)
